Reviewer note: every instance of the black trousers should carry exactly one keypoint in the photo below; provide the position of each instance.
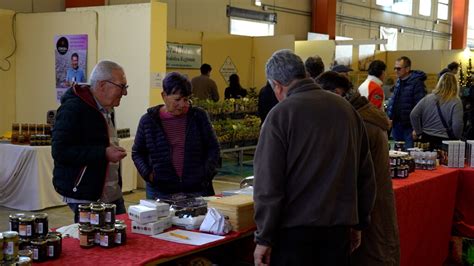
(312, 246)
(436, 143)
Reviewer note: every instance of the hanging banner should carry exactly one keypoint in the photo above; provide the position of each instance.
(71, 62)
(183, 55)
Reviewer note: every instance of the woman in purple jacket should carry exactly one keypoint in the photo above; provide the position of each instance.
(176, 148)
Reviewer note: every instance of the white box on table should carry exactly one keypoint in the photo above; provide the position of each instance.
(152, 228)
(162, 209)
(142, 214)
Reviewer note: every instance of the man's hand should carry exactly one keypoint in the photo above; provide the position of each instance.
(261, 255)
(414, 135)
(114, 153)
(356, 236)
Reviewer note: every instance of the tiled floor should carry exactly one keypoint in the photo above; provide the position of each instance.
(59, 216)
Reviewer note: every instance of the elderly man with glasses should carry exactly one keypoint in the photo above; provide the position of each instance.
(409, 90)
(85, 144)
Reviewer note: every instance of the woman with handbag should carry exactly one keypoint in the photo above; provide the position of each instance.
(439, 115)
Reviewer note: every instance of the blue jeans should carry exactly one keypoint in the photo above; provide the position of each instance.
(119, 208)
(403, 133)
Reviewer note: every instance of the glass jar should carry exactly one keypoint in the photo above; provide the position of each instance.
(107, 237)
(57, 234)
(96, 235)
(10, 245)
(40, 249)
(24, 244)
(109, 214)
(15, 221)
(23, 261)
(86, 236)
(84, 214)
(41, 224)
(120, 234)
(26, 226)
(26, 253)
(54, 247)
(97, 214)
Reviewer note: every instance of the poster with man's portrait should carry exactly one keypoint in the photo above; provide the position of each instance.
(71, 62)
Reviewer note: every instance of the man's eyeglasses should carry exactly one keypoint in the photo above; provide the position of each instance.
(121, 86)
(398, 68)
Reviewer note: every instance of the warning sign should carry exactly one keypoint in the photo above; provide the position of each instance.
(227, 69)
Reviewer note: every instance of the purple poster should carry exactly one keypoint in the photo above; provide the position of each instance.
(71, 61)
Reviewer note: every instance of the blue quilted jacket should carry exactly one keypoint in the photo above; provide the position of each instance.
(406, 95)
(151, 153)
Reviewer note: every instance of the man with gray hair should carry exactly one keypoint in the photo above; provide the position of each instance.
(85, 144)
(314, 185)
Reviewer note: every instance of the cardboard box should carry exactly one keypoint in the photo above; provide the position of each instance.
(152, 228)
(162, 208)
(142, 214)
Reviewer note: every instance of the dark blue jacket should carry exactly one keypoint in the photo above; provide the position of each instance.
(151, 153)
(406, 95)
(80, 137)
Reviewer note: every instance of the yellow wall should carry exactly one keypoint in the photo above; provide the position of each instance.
(7, 77)
(324, 49)
(158, 35)
(35, 59)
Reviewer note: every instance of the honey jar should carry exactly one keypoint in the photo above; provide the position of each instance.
(15, 221)
(97, 214)
(120, 234)
(109, 214)
(26, 226)
(86, 236)
(24, 244)
(84, 214)
(40, 249)
(54, 247)
(58, 235)
(41, 224)
(107, 237)
(10, 245)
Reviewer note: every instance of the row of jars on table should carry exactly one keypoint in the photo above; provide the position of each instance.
(29, 240)
(98, 227)
(22, 134)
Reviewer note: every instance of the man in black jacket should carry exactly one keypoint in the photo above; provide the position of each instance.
(84, 142)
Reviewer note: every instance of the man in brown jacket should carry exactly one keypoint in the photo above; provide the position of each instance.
(203, 86)
(380, 243)
(314, 178)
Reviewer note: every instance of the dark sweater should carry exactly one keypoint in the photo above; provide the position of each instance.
(312, 165)
(151, 153)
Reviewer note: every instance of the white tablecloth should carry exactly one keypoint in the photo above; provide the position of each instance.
(26, 176)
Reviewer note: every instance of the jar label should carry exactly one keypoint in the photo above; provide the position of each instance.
(108, 217)
(35, 254)
(9, 248)
(50, 251)
(94, 218)
(97, 238)
(118, 238)
(83, 240)
(84, 217)
(24, 230)
(104, 240)
(39, 228)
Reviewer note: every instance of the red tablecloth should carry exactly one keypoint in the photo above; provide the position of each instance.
(139, 250)
(464, 211)
(425, 205)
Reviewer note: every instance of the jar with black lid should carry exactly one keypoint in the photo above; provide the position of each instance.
(54, 247)
(10, 245)
(97, 214)
(86, 236)
(109, 214)
(26, 226)
(41, 224)
(120, 234)
(50, 234)
(107, 237)
(84, 214)
(15, 221)
(40, 249)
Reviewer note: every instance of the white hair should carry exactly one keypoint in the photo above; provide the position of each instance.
(103, 71)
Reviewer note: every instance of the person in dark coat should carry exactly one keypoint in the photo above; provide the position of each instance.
(266, 101)
(176, 149)
(84, 142)
(235, 90)
(380, 244)
(409, 90)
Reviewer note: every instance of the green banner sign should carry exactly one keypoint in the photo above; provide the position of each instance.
(183, 55)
